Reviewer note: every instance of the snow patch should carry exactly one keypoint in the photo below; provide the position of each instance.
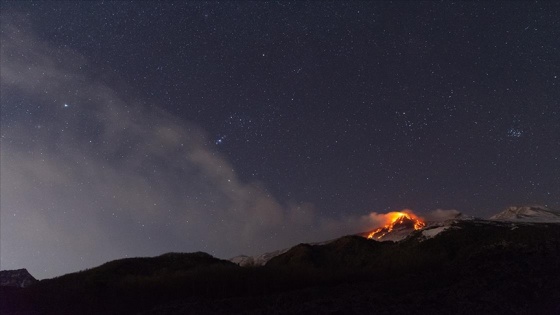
(528, 214)
(258, 260)
(430, 233)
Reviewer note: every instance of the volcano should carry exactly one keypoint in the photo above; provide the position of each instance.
(398, 226)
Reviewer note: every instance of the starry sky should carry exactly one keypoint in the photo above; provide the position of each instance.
(135, 129)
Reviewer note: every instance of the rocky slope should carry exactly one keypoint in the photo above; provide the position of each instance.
(20, 278)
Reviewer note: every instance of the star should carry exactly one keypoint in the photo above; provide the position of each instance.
(220, 140)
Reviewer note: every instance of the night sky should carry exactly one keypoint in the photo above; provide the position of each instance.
(135, 129)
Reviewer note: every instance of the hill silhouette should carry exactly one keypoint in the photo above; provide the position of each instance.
(475, 266)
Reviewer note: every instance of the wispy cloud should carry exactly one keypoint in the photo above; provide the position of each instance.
(90, 174)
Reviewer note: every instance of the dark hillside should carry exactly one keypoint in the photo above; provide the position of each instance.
(477, 267)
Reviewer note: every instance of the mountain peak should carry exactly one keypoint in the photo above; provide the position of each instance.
(16, 278)
(534, 213)
(398, 226)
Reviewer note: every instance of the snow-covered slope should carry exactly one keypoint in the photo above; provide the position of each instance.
(430, 232)
(257, 260)
(398, 234)
(528, 214)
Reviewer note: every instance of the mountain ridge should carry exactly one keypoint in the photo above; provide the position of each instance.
(431, 229)
(472, 266)
(535, 213)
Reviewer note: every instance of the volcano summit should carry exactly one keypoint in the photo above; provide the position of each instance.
(398, 226)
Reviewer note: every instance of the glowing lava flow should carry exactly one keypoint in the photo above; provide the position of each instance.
(396, 219)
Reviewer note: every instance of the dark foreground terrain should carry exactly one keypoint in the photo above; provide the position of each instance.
(474, 267)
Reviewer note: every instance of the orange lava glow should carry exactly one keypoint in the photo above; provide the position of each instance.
(396, 218)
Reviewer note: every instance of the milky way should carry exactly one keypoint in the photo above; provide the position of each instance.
(135, 129)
